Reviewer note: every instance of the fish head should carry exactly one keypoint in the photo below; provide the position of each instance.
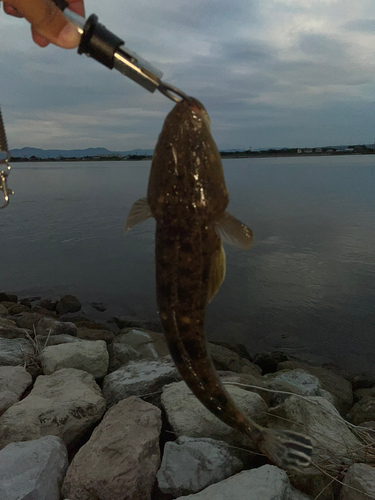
(186, 177)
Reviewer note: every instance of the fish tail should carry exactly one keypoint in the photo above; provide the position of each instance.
(290, 450)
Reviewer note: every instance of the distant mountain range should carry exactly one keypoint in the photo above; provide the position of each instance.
(91, 152)
(76, 153)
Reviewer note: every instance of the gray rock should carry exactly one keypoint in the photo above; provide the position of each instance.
(121, 353)
(305, 383)
(85, 333)
(49, 326)
(99, 306)
(56, 340)
(364, 409)
(26, 302)
(18, 308)
(225, 359)
(265, 483)
(362, 478)
(120, 460)
(268, 388)
(188, 416)
(47, 304)
(64, 404)
(87, 355)
(7, 399)
(68, 304)
(333, 441)
(268, 361)
(9, 330)
(33, 470)
(15, 352)
(191, 464)
(15, 379)
(8, 297)
(150, 345)
(44, 312)
(3, 310)
(139, 378)
(330, 381)
(28, 320)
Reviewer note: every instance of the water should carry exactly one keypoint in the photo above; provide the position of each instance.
(307, 286)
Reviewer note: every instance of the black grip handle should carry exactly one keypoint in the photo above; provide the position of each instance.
(98, 42)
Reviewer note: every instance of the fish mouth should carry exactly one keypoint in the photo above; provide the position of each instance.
(198, 109)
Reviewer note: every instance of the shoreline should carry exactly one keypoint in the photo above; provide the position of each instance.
(76, 386)
(224, 156)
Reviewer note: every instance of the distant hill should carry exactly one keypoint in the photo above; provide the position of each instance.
(76, 153)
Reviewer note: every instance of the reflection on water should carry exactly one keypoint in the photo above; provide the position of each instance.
(306, 287)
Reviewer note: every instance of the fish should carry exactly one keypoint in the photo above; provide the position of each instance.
(188, 197)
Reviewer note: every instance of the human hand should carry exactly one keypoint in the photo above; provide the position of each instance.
(48, 23)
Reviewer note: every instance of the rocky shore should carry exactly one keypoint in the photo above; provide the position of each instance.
(98, 411)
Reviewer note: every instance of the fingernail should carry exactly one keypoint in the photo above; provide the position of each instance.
(69, 36)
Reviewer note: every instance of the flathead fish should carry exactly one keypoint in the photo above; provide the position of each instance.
(188, 198)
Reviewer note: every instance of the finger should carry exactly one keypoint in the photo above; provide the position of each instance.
(77, 7)
(46, 19)
(39, 39)
(11, 11)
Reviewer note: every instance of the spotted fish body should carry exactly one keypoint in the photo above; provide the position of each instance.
(187, 196)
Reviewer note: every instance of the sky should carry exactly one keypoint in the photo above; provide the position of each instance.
(271, 73)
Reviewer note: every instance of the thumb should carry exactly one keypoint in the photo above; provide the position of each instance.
(47, 20)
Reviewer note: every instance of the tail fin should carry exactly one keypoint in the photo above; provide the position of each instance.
(290, 450)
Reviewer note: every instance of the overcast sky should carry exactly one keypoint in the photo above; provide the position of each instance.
(271, 73)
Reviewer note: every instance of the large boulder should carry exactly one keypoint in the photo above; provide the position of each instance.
(225, 359)
(8, 297)
(265, 483)
(14, 380)
(49, 326)
(191, 464)
(120, 460)
(330, 381)
(56, 339)
(68, 304)
(120, 353)
(28, 320)
(9, 330)
(85, 333)
(3, 310)
(333, 441)
(188, 416)
(139, 378)
(150, 345)
(15, 352)
(364, 408)
(89, 356)
(17, 309)
(359, 483)
(33, 470)
(64, 404)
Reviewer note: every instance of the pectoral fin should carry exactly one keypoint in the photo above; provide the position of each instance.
(139, 212)
(234, 232)
(217, 272)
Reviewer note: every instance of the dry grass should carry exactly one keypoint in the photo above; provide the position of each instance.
(34, 358)
(333, 467)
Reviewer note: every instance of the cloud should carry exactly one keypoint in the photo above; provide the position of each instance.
(273, 73)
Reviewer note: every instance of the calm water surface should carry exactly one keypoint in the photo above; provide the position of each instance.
(307, 287)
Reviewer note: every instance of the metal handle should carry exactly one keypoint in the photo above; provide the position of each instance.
(4, 158)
